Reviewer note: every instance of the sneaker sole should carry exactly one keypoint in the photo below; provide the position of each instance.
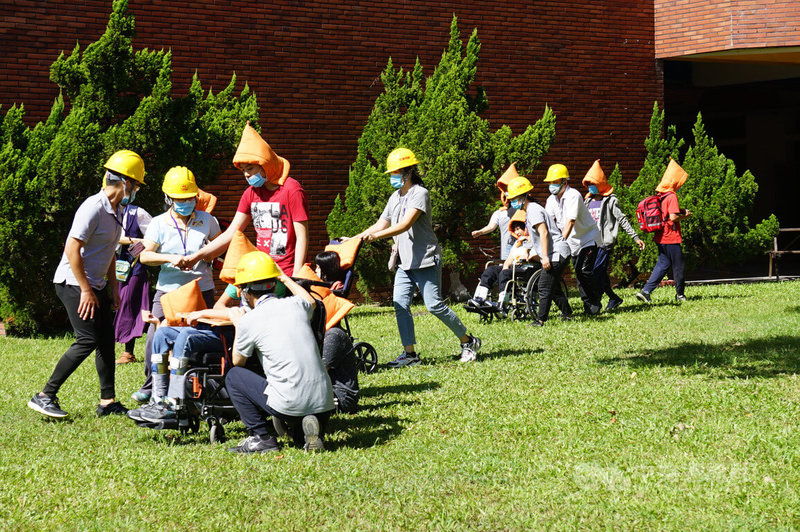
(311, 434)
(34, 406)
(642, 299)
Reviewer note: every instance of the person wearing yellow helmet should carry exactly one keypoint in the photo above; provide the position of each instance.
(86, 283)
(580, 231)
(171, 236)
(547, 246)
(407, 218)
(296, 389)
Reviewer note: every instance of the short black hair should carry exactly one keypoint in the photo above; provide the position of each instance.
(329, 266)
(516, 224)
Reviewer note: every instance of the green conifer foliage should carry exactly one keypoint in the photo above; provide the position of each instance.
(112, 97)
(460, 157)
(718, 232)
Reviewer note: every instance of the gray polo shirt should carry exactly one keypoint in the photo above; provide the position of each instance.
(418, 247)
(558, 248)
(279, 331)
(99, 228)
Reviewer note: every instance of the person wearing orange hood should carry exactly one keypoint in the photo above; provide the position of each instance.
(275, 202)
(668, 239)
(604, 208)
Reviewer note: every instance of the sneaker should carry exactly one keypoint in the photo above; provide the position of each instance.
(138, 413)
(643, 297)
(256, 444)
(405, 359)
(160, 411)
(680, 298)
(536, 323)
(115, 408)
(44, 404)
(126, 358)
(476, 302)
(469, 350)
(280, 427)
(612, 304)
(311, 434)
(140, 396)
(592, 310)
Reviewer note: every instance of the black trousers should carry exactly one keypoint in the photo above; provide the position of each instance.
(584, 274)
(94, 334)
(550, 290)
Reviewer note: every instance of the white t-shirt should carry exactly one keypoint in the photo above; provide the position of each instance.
(571, 207)
(279, 330)
(501, 218)
(202, 227)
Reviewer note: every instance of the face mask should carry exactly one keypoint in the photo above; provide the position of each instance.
(554, 188)
(256, 180)
(184, 208)
(396, 180)
(516, 203)
(593, 189)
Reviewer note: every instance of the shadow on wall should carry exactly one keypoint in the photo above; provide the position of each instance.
(759, 357)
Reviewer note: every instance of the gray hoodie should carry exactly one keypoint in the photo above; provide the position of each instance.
(611, 217)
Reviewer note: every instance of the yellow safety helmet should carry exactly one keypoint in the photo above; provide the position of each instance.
(556, 172)
(400, 158)
(179, 183)
(127, 163)
(255, 266)
(518, 186)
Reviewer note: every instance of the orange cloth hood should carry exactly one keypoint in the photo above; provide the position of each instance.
(254, 150)
(520, 215)
(504, 180)
(595, 176)
(674, 178)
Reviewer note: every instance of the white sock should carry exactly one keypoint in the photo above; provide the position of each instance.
(481, 292)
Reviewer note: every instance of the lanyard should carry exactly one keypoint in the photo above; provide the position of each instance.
(183, 236)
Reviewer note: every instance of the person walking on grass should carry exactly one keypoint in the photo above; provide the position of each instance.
(580, 231)
(86, 283)
(407, 218)
(604, 208)
(668, 239)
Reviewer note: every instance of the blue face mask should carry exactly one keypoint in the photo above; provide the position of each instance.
(184, 208)
(516, 203)
(396, 180)
(593, 189)
(128, 199)
(256, 180)
(554, 188)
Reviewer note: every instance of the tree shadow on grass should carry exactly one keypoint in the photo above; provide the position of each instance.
(758, 357)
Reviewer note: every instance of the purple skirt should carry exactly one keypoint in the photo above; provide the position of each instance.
(134, 297)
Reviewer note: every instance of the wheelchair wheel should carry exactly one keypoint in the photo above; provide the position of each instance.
(532, 293)
(366, 357)
(216, 432)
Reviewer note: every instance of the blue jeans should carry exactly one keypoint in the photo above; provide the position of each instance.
(669, 256)
(186, 343)
(429, 282)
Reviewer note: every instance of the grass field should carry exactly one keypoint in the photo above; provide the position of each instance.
(655, 417)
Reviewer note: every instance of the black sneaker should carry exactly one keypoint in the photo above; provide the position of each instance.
(256, 444)
(680, 298)
(612, 304)
(536, 323)
(111, 408)
(311, 434)
(44, 404)
(158, 412)
(643, 296)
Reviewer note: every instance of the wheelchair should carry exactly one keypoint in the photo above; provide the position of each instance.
(522, 295)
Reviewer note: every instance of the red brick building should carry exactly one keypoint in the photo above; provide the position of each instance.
(315, 67)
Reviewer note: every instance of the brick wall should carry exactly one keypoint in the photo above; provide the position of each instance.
(315, 66)
(684, 27)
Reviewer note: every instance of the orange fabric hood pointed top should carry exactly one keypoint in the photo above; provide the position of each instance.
(595, 176)
(253, 149)
(673, 179)
(504, 180)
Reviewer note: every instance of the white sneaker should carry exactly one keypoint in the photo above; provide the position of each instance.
(469, 350)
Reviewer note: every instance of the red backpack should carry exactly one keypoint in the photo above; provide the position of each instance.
(649, 213)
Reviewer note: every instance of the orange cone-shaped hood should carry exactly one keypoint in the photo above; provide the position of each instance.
(238, 248)
(595, 176)
(508, 175)
(519, 216)
(674, 178)
(254, 150)
(206, 201)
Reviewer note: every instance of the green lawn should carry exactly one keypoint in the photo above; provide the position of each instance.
(660, 416)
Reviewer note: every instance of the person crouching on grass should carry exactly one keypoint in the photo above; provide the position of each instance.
(297, 389)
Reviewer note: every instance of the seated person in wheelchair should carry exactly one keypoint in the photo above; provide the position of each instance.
(296, 389)
(548, 247)
(186, 344)
(328, 268)
(502, 274)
